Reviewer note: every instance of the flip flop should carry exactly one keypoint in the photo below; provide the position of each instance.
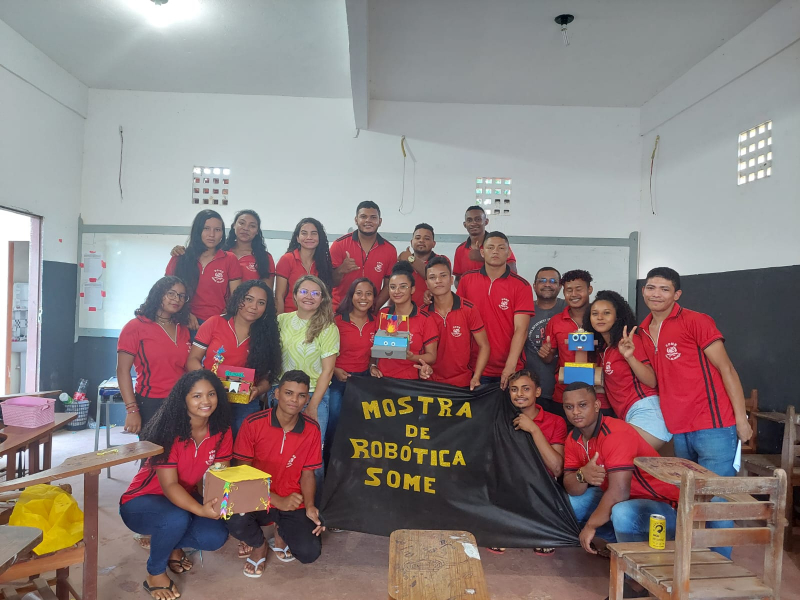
(157, 588)
(287, 554)
(497, 550)
(256, 564)
(544, 551)
(142, 540)
(241, 554)
(175, 563)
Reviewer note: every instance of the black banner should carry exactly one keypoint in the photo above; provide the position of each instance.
(420, 455)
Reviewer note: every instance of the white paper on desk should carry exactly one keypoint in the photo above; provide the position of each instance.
(737, 458)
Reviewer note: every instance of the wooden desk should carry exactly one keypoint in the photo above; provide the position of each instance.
(18, 439)
(669, 469)
(15, 541)
(777, 417)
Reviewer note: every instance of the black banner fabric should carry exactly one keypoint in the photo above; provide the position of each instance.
(420, 455)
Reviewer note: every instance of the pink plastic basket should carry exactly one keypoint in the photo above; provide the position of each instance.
(27, 411)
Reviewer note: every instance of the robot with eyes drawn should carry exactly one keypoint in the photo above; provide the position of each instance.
(581, 342)
(392, 338)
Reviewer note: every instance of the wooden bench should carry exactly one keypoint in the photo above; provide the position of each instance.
(15, 440)
(751, 407)
(435, 565)
(686, 568)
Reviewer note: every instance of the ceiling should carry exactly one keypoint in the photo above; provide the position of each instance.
(621, 52)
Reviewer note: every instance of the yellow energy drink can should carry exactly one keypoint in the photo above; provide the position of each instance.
(658, 532)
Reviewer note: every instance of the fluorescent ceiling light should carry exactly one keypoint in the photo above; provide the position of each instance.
(165, 14)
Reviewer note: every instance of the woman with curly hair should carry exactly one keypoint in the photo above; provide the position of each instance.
(310, 343)
(308, 254)
(245, 336)
(209, 273)
(156, 344)
(193, 427)
(629, 379)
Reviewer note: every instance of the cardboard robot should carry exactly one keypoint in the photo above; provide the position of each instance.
(581, 343)
(391, 339)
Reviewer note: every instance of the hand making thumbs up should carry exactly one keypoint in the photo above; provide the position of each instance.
(348, 264)
(593, 473)
(546, 351)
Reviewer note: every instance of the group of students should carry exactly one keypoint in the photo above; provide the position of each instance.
(668, 377)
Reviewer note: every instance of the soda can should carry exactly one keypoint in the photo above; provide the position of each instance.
(658, 532)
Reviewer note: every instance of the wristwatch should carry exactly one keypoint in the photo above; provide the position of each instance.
(579, 476)
(412, 258)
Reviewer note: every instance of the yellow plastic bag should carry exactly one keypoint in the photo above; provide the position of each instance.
(54, 511)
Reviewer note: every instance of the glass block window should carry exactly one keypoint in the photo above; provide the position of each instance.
(211, 185)
(493, 194)
(755, 153)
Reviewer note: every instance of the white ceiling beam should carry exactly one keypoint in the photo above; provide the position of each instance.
(358, 31)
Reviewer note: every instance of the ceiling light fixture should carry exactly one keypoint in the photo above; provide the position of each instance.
(563, 20)
(162, 13)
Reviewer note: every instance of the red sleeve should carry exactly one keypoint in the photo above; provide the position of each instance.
(474, 320)
(392, 261)
(234, 267)
(704, 330)
(284, 268)
(244, 447)
(572, 457)
(463, 287)
(313, 459)
(523, 303)
(559, 435)
(271, 264)
(225, 451)
(639, 352)
(511, 257)
(172, 460)
(619, 450)
(206, 332)
(129, 337)
(171, 265)
(430, 331)
(458, 268)
(337, 254)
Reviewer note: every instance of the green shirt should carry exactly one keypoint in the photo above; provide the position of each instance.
(297, 354)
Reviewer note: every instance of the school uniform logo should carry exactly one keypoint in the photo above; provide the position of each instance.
(211, 455)
(672, 351)
(378, 267)
(251, 267)
(219, 276)
(456, 332)
(608, 369)
(291, 461)
(504, 304)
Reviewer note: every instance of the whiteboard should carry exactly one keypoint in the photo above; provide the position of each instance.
(135, 261)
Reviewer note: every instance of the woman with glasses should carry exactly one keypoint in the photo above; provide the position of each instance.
(245, 336)
(424, 338)
(156, 344)
(308, 254)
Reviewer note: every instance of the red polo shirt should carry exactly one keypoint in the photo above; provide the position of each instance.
(212, 287)
(622, 387)
(423, 331)
(692, 393)
(291, 268)
(463, 263)
(250, 267)
(284, 455)
(421, 284)
(375, 265)
(218, 335)
(192, 461)
(498, 302)
(455, 341)
(355, 343)
(158, 359)
(618, 444)
(553, 427)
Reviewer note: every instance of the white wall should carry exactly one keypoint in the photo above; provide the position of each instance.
(705, 222)
(295, 157)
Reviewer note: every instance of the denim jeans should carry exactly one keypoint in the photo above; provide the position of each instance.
(239, 412)
(715, 450)
(170, 528)
(336, 391)
(630, 520)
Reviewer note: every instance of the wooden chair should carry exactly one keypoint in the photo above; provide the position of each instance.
(764, 465)
(751, 406)
(687, 569)
(85, 552)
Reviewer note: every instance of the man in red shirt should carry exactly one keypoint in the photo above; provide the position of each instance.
(363, 253)
(285, 443)
(505, 301)
(611, 497)
(468, 255)
(423, 243)
(460, 325)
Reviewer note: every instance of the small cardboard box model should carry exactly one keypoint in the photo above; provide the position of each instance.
(237, 380)
(391, 339)
(581, 340)
(581, 343)
(241, 489)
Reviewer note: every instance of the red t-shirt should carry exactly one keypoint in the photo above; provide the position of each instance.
(158, 359)
(212, 288)
(355, 343)
(263, 443)
(455, 341)
(192, 461)
(498, 302)
(250, 267)
(553, 427)
(291, 268)
(218, 335)
(423, 332)
(463, 263)
(622, 387)
(691, 390)
(618, 444)
(375, 265)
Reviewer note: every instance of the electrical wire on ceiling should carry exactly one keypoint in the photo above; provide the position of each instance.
(121, 145)
(652, 166)
(403, 149)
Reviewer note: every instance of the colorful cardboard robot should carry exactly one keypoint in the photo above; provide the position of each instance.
(581, 342)
(391, 339)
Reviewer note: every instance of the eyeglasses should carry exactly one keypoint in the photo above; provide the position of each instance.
(545, 280)
(173, 295)
(313, 293)
(403, 287)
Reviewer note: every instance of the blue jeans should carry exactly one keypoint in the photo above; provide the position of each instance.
(170, 528)
(630, 520)
(715, 450)
(488, 379)
(239, 412)
(336, 391)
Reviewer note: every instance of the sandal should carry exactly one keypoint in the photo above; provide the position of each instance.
(158, 588)
(256, 564)
(287, 554)
(497, 550)
(242, 553)
(142, 540)
(544, 551)
(180, 563)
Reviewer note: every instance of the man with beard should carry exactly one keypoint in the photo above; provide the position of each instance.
(422, 244)
(546, 286)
